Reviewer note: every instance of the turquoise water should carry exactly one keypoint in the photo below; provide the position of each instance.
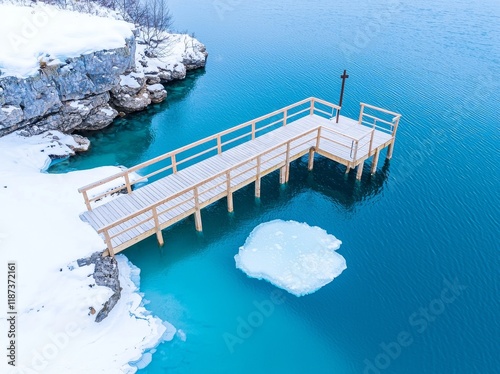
(428, 216)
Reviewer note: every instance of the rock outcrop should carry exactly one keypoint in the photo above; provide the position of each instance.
(70, 96)
(88, 92)
(106, 274)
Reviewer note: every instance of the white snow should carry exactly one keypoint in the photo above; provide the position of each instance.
(41, 231)
(107, 111)
(174, 51)
(156, 87)
(76, 104)
(8, 109)
(291, 255)
(130, 80)
(29, 34)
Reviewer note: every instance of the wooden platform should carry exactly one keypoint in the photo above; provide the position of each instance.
(194, 176)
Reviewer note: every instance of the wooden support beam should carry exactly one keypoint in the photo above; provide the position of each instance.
(360, 171)
(282, 175)
(197, 221)
(375, 161)
(390, 149)
(348, 169)
(197, 213)
(310, 162)
(287, 163)
(159, 235)
(257, 180)
(230, 207)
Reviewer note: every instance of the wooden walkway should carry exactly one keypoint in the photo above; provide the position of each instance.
(192, 177)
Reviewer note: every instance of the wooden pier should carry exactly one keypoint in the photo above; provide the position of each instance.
(169, 188)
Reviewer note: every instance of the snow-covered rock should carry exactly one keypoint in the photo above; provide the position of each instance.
(291, 255)
(52, 80)
(131, 94)
(178, 54)
(157, 93)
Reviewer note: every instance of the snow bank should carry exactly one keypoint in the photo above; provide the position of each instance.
(32, 33)
(41, 230)
(291, 255)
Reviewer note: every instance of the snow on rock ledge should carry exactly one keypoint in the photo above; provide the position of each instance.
(179, 54)
(56, 81)
(291, 255)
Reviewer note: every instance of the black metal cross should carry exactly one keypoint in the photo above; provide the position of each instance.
(344, 77)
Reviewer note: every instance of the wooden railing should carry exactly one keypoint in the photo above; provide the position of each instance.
(172, 162)
(379, 119)
(192, 194)
(251, 169)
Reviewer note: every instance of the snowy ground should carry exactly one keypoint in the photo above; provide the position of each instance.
(30, 33)
(41, 231)
(291, 255)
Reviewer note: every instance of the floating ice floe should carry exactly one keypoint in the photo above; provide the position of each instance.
(294, 256)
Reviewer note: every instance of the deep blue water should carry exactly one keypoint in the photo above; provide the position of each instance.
(429, 216)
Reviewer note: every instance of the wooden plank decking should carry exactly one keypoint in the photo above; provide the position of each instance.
(254, 150)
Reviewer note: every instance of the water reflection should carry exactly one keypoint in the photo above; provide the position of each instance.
(327, 186)
(341, 188)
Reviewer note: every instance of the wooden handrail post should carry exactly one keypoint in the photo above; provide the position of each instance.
(174, 163)
(285, 117)
(257, 180)
(375, 161)
(287, 162)
(371, 142)
(390, 149)
(311, 112)
(391, 146)
(310, 161)
(253, 130)
(159, 235)
(395, 126)
(360, 171)
(361, 111)
(197, 211)
(87, 202)
(318, 138)
(230, 207)
(127, 183)
(355, 151)
(282, 174)
(107, 239)
(219, 144)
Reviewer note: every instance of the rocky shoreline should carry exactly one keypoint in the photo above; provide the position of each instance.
(106, 274)
(88, 92)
